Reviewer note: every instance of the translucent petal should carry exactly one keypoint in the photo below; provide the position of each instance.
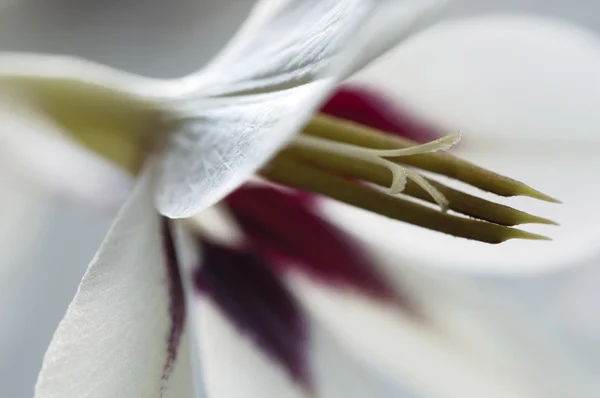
(117, 338)
(497, 78)
(462, 345)
(33, 147)
(25, 209)
(571, 295)
(265, 86)
(228, 356)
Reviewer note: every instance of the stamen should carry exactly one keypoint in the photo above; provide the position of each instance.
(460, 202)
(376, 156)
(293, 171)
(439, 197)
(399, 177)
(441, 144)
(332, 154)
(441, 163)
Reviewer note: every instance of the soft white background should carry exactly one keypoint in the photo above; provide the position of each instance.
(166, 39)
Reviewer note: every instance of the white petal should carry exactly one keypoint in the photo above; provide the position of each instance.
(24, 208)
(26, 311)
(35, 147)
(571, 296)
(286, 43)
(463, 346)
(228, 355)
(503, 77)
(267, 84)
(113, 341)
(65, 113)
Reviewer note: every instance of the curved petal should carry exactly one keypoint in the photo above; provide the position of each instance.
(266, 85)
(228, 356)
(523, 90)
(566, 303)
(123, 334)
(24, 210)
(35, 148)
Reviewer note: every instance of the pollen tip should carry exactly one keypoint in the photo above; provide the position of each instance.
(540, 220)
(520, 234)
(532, 193)
(525, 218)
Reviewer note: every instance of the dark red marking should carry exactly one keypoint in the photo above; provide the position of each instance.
(251, 295)
(296, 238)
(176, 298)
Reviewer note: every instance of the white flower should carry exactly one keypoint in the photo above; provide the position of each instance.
(126, 332)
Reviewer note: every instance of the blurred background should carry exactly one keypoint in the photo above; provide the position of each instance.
(52, 239)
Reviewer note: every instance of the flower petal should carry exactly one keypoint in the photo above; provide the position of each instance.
(464, 345)
(25, 209)
(34, 147)
(242, 286)
(28, 315)
(252, 331)
(286, 43)
(123, 334)
(498, 77)
(112, 113)
(566, 303)
(267, 84)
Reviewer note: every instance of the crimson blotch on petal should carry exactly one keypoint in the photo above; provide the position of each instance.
(290, 232)
(244, 287)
